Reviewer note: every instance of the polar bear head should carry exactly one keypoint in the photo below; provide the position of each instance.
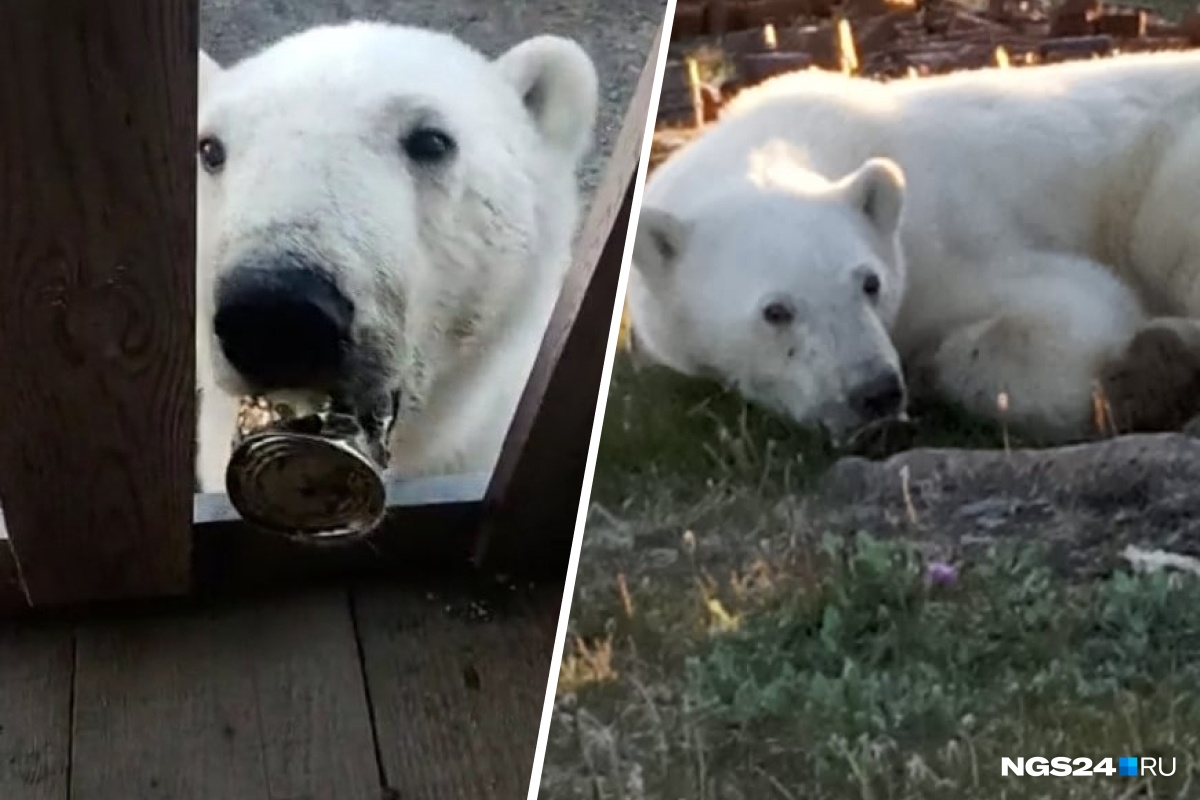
(783, 287)
(379, 205)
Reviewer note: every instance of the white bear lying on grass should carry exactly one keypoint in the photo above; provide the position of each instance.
(1033, 232)
(386, 214)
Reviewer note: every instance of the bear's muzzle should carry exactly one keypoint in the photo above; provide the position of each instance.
(283, 323)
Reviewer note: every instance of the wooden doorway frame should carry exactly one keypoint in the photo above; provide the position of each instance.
(97, 308)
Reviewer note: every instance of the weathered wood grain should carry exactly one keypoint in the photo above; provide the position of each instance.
(457, 684)
(533, 499)
(97, 239)
(262, 702)
(35, 711)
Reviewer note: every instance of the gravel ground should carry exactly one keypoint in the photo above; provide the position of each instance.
(617, 34)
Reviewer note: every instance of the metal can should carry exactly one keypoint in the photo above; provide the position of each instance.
(304, 471)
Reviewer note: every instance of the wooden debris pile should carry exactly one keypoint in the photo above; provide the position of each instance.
(720, 47)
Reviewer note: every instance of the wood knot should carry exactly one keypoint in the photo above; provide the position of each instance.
(103, 321)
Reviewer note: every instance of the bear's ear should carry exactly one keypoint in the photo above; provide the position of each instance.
(556, 80)
(661, 237)
(877, 190)
(208, 70)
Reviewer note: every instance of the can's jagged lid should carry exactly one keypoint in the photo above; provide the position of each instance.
(305, 486)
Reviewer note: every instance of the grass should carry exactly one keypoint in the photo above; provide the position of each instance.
(1170, 9)
(728, 642)
(870, 683)
(681, 434)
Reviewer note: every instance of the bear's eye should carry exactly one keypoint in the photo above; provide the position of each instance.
(871, 285)
(212, 154)
(428, 145)
(778, 313)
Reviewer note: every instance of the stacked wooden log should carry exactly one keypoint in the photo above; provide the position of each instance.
(720, 47)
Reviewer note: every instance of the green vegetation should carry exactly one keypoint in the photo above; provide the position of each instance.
(873, 684)
(729, 643)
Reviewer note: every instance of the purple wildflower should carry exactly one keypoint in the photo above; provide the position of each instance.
(939, 573)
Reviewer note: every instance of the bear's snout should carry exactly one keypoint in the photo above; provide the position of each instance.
(879, 397)
(283, 323)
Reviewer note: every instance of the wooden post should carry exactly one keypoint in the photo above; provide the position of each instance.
(97, 264)
(533, 497)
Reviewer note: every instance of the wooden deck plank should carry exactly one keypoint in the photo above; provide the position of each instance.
(35, 711)
(97, 278)
(261, 702)
(457, 686)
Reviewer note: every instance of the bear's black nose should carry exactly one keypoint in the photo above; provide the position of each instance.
(283, 323)
(879, 397)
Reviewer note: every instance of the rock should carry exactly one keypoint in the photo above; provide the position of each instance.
(1088, 501)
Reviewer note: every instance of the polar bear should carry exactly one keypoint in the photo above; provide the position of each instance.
(386, 215)
(837, 247)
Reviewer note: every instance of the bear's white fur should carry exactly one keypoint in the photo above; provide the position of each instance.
(453, 272)
(1033, 231)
